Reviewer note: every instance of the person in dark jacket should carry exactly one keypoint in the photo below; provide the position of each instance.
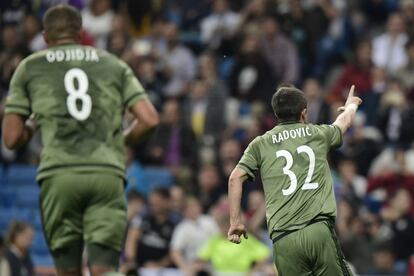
(16, 259)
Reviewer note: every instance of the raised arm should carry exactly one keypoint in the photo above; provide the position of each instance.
(345, 119)
(237, 228)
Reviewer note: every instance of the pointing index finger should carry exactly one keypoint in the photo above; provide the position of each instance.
(351, 92)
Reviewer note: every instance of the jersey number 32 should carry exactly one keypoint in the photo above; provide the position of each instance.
(78, 93)
(293, 179)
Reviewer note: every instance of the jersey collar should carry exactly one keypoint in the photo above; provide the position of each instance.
(289, 123)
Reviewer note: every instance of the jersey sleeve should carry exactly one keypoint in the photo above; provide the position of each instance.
(132, 88)
(250, 159)
(18, 100)
(332, 134)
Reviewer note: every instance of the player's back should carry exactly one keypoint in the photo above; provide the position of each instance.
(78, 95)
(295, 173)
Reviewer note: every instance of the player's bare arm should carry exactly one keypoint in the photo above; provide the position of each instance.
(146, 121)
(17, 130)
(237, 228)
(345, 119)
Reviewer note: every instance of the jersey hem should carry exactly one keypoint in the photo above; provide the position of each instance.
(62, 169)
(12, 108)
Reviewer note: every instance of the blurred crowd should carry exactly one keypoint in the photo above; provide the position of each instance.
(210, 67)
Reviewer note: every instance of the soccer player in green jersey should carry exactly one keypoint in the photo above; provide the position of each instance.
(78, 96)
(300, 202)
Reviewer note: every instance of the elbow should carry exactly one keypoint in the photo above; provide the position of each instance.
(234, 180)
(154, 121)
(11, 140)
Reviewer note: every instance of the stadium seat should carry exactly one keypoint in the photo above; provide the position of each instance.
(21, 172)
(39, 245)
(158, 177)
(42, 260)
(9, 214)
(28, 197)
(37, 221)
(7, 196)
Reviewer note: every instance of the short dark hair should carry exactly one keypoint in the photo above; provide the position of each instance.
(62, 21)
(288, 102)
(15, 229)
(135, 195)
(162, 192)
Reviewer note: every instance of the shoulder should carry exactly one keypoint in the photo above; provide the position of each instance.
(380, 39)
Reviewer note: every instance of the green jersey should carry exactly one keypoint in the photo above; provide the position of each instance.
(78, 95)
(295, 173)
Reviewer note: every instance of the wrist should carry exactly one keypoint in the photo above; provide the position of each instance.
(352, 106)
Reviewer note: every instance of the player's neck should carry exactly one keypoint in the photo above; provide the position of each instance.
(63, 41)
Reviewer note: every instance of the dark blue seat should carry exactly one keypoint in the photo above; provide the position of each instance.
(21, 172)
(42, 260)
(39, 245)
(8, 196)
(28, 196)
(37, 221)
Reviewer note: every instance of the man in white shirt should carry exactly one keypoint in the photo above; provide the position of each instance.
(180, 63)
(389, 48)
(220, 24)
(191, 234)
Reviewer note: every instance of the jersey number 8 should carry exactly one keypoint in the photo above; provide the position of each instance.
(78, 93)
(293, 179)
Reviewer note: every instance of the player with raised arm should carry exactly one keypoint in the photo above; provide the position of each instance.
(77, 96)
(300, 201)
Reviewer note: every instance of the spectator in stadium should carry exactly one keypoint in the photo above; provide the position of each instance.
(178, 203)
(255, 214)
(280, 51)
(229, 154)
(395, 113)
(384, 261)
(388, 50)
(352, 186)
(356, 72)
(210, 188)
(220, 26)
(173, 143)
(152, 80)
(190, 235)
(97, 20)
(16, 259)
(251, 254)
(32, 34)
(180, 64)
(363, 145)
(207, 64)
(118, 38)
(206, 109)
(404, 75)
(148, 240)
(252, 77)
(407, 11)
(392, 178)
(318, 109)
(136, 205)
(253, 13)
(400, 224)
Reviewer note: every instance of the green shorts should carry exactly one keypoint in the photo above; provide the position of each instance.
(313, 250)
(84, 209)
